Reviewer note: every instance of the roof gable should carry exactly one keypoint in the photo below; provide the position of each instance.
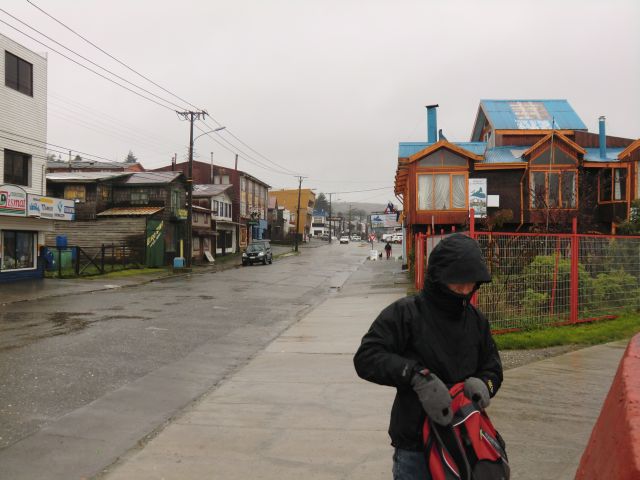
(444, 144)
(526, 115)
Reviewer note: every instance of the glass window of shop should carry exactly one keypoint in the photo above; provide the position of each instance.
(17, 250)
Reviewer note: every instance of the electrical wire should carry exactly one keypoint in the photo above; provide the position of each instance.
(112, 57)
(89, 60)
(87, 68)
(228, 131)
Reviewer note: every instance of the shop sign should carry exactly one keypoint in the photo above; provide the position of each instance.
(13, 201)
(478, 196)
(51, 208)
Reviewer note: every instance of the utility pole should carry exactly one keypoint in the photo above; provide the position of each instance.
(330, 217)
(192, 117)
(298, 213)
(349, 221)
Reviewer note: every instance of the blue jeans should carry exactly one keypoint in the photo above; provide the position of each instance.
(408, 465)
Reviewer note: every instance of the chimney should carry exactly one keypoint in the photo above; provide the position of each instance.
(432, 123)
(603, 138)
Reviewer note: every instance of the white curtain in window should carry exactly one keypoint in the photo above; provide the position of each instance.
(425, 192)
(617, 184)
(441, 192)
(459, 191)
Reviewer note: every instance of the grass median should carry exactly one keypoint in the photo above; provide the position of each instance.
(603, 331)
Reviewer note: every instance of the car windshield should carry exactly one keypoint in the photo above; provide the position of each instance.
(255, 248)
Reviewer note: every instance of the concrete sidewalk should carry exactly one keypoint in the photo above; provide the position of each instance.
(298, 410)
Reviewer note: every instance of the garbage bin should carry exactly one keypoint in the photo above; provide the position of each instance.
(61, 241)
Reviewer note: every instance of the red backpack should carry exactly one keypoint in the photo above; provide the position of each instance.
(468, 449)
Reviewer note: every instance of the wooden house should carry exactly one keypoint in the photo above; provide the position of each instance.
(539, 163)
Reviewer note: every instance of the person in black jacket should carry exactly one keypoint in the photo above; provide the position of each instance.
(439, 332)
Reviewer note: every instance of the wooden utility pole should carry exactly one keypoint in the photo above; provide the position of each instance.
(191, 117)
(298, 214)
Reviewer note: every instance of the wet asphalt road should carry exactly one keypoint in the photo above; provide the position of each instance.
(59, 354)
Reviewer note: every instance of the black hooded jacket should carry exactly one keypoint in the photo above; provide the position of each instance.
(435, 329)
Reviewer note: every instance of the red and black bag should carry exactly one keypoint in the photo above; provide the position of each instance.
(468, 449)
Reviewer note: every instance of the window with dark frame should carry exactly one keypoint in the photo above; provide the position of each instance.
(16, 167)
(613, 185)
(18, 74)
(553, 189)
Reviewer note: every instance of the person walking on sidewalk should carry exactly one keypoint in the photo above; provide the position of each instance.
(424, 344)
(387, 248)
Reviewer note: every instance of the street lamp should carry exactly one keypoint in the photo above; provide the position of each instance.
(190, 190)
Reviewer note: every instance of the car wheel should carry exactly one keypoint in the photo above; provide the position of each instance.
(244, 264)
(264, 261)
(270, 261)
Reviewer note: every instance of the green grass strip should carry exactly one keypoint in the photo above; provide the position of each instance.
(602, 331)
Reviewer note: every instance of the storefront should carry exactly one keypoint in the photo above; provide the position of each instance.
(24, 220)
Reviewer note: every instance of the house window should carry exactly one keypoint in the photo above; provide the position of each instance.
(17, 250)
(613, 185)
(139, 197)
(442, 191)
(16, 167)
(553, 189)
(224, 179)
(105, 192)
(18, 74)
(75, 192)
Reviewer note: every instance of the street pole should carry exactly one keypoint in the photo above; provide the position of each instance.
(330, 217)
(298, 215)
(349, 221)
(192, 117)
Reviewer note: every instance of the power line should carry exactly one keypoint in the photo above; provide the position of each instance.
(87, 68)
(359, 191)
(112, 57)
(52, 144)
(159, 86)
(89, 60)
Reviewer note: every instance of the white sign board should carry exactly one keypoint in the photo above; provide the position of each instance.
(478, 196)
(384, 220)
(493, 200)
(51, 208)
(13, 201)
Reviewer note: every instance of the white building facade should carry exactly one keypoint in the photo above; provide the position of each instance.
(25, 212)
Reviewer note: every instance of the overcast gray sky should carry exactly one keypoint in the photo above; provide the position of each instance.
(327, 88)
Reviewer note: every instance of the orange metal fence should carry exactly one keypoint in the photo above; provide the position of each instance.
(549, 279)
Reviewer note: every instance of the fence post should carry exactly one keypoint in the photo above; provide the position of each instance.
(59, 262)
(472, 223)
(113, 255)
(575, 251)
(102, 258)
(77, 262)
(124, 256)
(419, 261)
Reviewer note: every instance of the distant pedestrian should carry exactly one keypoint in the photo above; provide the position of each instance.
(387, 248)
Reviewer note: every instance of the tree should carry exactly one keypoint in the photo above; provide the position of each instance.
(77, 158)
(131, 158)
(321, 202)
(51, 157)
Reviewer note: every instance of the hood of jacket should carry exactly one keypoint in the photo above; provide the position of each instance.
(456, 259)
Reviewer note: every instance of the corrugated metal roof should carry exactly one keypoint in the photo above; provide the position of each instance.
(593, 155)
(89, 164)
(129, 211)
(406, 149)
(531, 115)
(84, 177)
(146, 178)
(209, 190)
(504, 155)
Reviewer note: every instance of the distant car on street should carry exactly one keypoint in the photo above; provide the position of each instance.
(344, 239)
(397, 238)
(355, 238)
(257, 253)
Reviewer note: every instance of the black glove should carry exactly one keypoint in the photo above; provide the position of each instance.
(476, 390)
(434, 397)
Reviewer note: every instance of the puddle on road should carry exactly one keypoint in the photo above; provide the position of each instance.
(18, 329)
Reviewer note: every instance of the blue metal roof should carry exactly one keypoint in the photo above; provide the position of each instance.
(593, 155)
(511, 154)
(406, 149)
(531, 115)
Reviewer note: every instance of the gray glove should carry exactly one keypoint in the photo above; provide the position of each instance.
(476, 390)
(434, 397)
